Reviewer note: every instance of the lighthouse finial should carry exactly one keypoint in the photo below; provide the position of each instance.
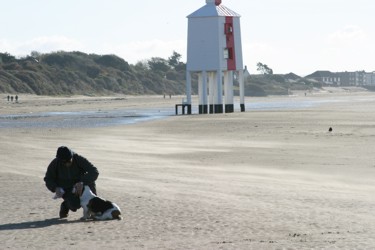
(216, 2)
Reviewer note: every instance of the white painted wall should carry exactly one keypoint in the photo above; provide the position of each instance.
(238, 43)
(206, 44)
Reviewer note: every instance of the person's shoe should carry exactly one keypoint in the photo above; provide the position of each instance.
(63, 211)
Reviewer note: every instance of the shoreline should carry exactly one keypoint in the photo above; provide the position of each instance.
(85, 112)
(33, 104)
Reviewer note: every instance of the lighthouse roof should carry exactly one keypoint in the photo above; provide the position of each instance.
(212, 10)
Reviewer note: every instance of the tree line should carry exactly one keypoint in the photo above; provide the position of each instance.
(67, 73)
(78, 73)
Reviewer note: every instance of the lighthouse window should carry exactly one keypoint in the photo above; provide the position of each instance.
(228, 53)
(228, 28)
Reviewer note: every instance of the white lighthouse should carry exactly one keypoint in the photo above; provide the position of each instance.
(214, 53)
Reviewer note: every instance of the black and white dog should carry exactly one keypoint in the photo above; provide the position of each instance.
(98, 208)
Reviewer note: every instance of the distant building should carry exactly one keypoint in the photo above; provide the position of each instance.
(246, 73)
(356, 78)
(345, 78)
(326, 77)
(370, 79)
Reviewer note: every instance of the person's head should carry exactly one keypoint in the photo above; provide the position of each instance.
(65, 155)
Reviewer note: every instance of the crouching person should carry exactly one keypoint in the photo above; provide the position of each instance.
(66, 175)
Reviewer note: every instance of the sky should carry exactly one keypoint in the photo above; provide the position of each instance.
(299, 36)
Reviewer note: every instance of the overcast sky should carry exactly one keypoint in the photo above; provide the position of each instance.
(298, 36)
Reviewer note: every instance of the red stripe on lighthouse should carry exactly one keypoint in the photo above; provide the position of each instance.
(231, 61)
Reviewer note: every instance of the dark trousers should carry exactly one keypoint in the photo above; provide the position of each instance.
(72, 201)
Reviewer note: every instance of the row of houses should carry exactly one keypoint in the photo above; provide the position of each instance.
(357, 78)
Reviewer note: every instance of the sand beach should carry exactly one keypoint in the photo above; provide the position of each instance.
(271, 178)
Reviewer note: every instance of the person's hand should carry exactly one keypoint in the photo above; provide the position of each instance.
(59, 192)
(79, 188)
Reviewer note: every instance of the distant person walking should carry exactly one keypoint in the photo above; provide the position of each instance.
(8, 98)
(11, 98)
(16, 98)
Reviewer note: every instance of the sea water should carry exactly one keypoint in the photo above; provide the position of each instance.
(82, 119)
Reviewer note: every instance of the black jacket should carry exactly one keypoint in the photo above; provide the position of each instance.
(59, 175)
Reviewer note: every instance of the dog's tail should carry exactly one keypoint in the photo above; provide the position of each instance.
(116, 214)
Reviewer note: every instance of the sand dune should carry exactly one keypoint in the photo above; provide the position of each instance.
(273, 179)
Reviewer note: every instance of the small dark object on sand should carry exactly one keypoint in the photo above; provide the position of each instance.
(330, 129)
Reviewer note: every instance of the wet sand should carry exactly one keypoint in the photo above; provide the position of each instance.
(274, 179)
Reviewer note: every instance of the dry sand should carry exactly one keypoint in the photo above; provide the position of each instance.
(255, 180)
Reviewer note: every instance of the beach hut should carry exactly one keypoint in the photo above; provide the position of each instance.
(214, 53)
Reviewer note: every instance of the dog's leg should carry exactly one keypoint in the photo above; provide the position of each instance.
(103, 216)
(91, 215)
(99, 217)
(110, 215)
(85, 215)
